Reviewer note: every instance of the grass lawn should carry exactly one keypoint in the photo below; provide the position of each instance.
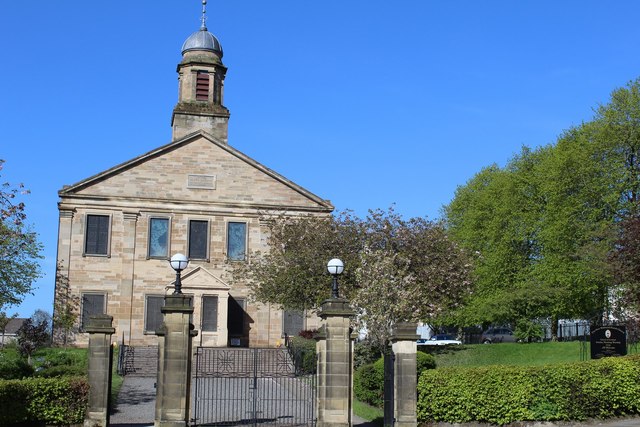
(513, 354)
(367, 412)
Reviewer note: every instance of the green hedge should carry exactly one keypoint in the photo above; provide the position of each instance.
(368, 380)
(303, 351)
(502, 394)
(43, 400)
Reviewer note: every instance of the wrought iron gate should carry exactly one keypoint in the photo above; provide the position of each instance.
(250, 386)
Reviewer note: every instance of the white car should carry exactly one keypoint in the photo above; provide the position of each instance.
(440, 339)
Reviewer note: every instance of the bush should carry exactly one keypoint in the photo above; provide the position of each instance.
(424, 361)
(528, 331)
(368, 380)
(43, 400)
(303, 351)
(54, 362)
(308, 333)
(13, 366)
(503, 394)
(364, 353)
(368, 383)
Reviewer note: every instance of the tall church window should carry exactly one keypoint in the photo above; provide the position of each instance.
(209, 313)
(236, 241)
(158, 237)
(92, 304)
(153, 313)
(96, 239)
(202, 86)
(198, 239)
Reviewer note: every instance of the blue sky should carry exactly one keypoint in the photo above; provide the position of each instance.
(363, 102)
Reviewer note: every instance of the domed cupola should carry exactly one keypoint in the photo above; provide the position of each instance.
(202, 40)
(201, 86)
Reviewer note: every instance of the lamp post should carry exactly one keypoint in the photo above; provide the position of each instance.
(335, 268)
(178, 262)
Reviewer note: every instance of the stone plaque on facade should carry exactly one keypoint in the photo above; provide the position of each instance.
(202, 181)
(607, 341)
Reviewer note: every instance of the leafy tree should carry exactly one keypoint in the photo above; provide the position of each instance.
(625, 261)
(34, 333)
(66, 310)
(543, 227)
(409, 270)
(293, 272)
(19, 247)
(396, 270)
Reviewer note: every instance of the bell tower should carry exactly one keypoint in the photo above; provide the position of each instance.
(201, 86)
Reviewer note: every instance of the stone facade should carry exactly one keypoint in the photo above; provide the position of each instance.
(105, 247)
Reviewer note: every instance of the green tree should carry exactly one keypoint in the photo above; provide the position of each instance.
(293, 272)
(19, 247)
(543, 226)
(395, 269)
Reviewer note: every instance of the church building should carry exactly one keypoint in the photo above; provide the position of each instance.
(196, 195)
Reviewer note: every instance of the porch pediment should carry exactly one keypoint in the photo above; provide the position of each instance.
(200, 278)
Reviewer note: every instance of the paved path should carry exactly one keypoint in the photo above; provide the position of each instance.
(137, 401)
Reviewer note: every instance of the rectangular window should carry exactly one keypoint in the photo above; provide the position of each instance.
(209, 313)
(292, 322)
(202, 86)
(235, 319)
(159, 238)
(153, 313)
(92, 304)
(198, 239)
(236, 241)
(96, 241)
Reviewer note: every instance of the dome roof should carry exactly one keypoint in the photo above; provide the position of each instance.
(202, 40)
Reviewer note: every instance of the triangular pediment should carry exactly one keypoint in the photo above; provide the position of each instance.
(197, 169)
(201, 278)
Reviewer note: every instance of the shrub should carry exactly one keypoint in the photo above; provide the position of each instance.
(424, 361)
(503, 394)
(43, 400)
(13, 366)
(308, 333)
(56, 362)
(303, 351)
(365, 352)
(528, 331)
(368, 383)
(368, 380)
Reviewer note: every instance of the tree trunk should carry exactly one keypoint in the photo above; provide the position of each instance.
(554, 328)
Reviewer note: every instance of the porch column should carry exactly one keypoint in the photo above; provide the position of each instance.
(100, 331)
(174, 376)
(404, 347)
(335, 365)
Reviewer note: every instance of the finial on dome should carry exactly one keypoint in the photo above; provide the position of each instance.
(203, 39)
(204, 15)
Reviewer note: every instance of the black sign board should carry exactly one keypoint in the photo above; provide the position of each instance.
(608, 341)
